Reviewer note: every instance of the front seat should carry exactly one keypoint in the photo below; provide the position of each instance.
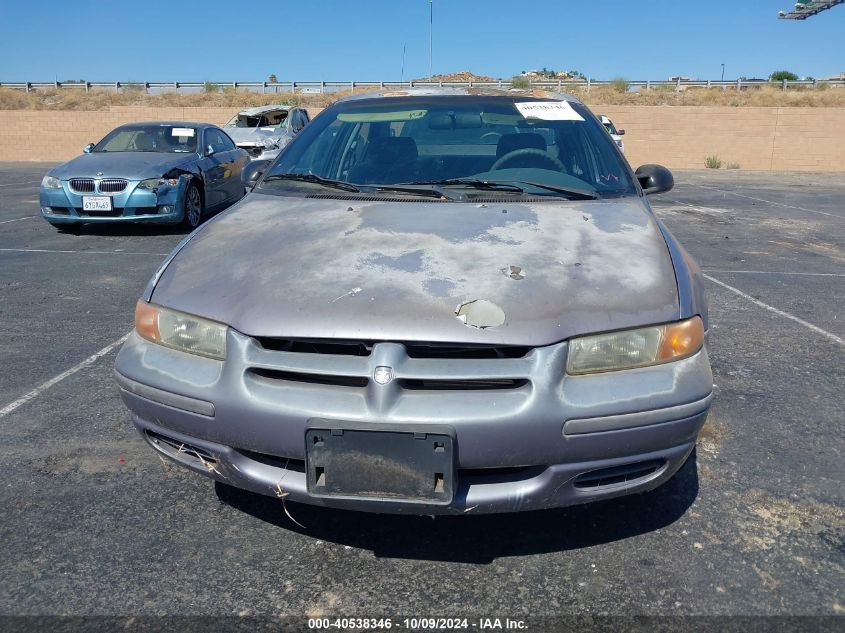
(144, 142)
(387, 160)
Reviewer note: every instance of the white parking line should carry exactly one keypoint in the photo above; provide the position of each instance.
(57, 379)
(792, 317)
(779, 204)
(29, 217)
(772, 272)
(46, 250)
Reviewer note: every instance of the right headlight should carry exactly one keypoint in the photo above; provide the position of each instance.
(51, 182)
(641, 347)
(185, 332)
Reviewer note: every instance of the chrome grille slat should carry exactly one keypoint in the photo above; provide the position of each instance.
(82, 185)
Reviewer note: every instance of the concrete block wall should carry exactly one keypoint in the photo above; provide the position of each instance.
(780, 139)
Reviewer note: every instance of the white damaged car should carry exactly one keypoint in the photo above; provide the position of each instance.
(265, 130)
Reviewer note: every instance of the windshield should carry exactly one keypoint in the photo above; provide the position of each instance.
(150, 138)
(272, 118)
(437, 140)
(608, 125)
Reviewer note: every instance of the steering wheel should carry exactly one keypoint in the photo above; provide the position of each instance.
(528, 151)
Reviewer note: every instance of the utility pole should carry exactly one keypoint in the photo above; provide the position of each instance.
(723, 72)
(402, 76)
(430, 34)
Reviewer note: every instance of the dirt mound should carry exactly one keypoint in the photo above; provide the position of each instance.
(461, 75)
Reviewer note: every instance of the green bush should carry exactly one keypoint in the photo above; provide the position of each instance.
(732, 166)
(620, 84)
(523, 83)
(780, 75)
(713, 162)
(210, 87)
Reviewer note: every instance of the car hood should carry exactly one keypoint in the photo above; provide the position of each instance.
(253, 134)
(328, 268)
(131, 165)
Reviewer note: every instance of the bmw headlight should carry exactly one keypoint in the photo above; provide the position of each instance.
(51, 182)
(641, 347)
(185, 332)
(151, 184)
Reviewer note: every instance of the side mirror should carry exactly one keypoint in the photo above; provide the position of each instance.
(654, 179)
(209, 150)
(88, 148)
(620, 132)
(252, 172)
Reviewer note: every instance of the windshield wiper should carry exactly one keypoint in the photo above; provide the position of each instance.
(472, 183)
(501, 185)
(574, 194)
(319, 180)
(420, 189)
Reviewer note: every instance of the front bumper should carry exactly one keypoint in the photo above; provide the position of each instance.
(260, 152)
(549, 441)
(165, 206)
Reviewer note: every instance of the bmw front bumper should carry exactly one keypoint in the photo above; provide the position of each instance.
(164, 206)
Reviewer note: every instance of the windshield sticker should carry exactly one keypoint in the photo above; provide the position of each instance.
(182, 131)
(379, 117)
(548, 110)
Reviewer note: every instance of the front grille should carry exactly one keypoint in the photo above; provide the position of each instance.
(304, 346)
(413, 349)
(187, 453)
(253, 150)
(285, 463)
(616, 475)
(113, 185)
(435, 384)
(309, 378)
(412, 367)
(114, 213)
(82, 185)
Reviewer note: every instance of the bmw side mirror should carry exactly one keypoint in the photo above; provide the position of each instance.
(252, 172)
(620, 132)
(654, 179)
(88, 148)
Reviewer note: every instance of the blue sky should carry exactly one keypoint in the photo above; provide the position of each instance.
(340, 40)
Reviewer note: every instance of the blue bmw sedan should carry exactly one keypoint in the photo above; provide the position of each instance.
(161, 172)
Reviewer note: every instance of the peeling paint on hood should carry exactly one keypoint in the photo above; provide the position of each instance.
(296, 267)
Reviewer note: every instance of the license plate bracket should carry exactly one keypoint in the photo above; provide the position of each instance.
(362, 461)
(96, 203)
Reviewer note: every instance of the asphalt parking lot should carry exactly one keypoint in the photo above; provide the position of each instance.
(95, 523)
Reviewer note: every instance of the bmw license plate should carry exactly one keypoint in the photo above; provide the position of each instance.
(385, 464)
(96, 203)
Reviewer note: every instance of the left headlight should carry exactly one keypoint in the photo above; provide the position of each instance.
(641, 347)
(151, 184)
(185, 332)
(51, 182)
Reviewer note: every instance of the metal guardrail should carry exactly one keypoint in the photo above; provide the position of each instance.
(306, 87)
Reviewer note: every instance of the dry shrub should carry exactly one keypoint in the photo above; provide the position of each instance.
(101, 98)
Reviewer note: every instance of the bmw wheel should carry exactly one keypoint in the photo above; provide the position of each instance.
(192, 208)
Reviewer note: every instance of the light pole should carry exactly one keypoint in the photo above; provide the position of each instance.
(723, 72)
(430, 33)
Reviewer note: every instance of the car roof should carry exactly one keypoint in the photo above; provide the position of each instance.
(169, 123)
(262, 109)
(436, 91)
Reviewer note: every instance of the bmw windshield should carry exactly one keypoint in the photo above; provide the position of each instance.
(150, 138)
(513, 145)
